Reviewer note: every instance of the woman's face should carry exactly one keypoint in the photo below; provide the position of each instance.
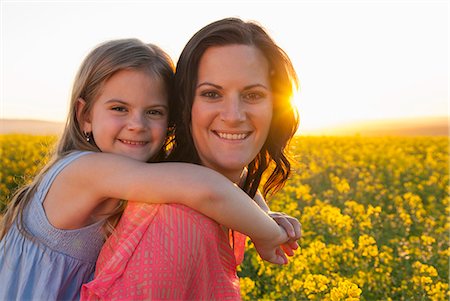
(232, 108)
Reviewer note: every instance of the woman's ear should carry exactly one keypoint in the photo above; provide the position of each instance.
(83, 117)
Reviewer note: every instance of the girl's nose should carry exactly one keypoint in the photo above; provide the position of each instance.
(137, 122)
(232, 110)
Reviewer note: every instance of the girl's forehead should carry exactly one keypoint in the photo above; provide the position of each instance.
(133, 86)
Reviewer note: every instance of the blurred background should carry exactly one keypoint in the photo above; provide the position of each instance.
(365, 67)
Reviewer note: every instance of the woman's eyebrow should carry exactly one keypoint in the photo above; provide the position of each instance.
(256, 86)
(209, 84)
(220, 87)
(166, 107)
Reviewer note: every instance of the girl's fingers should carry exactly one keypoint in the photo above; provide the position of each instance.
(290, 224)
(297, 228)
(287, 249)
(293, 245)
(281, 256)
(286, 225)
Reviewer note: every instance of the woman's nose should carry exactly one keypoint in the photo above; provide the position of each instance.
(232, 110)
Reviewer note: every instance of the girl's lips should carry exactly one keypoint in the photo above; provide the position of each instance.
(232, 136)
(133, 142)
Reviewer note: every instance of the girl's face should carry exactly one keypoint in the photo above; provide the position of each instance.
(130, 115)
(232, 108)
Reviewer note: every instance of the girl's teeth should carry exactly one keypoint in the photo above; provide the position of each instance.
(133, 142)
(232, 136)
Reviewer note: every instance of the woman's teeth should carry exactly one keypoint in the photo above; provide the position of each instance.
(232, 136)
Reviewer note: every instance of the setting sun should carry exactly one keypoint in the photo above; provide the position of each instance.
(350, 66)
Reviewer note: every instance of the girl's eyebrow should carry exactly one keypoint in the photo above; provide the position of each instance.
(112, 100)
(115, 100)
(220, 87)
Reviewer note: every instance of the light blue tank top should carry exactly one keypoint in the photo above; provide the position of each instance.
(55, 266)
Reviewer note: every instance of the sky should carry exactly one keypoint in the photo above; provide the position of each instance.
(356, 60)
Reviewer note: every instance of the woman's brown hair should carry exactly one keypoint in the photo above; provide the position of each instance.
(283, 79)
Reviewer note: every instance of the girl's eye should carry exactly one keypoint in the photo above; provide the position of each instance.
(119, 109)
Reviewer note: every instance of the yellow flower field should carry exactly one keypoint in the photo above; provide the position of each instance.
(375, 222)
(375, 216)
(21, 157)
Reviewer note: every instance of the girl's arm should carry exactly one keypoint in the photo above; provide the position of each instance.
(97, 181)
(259, 199)
(289, 223)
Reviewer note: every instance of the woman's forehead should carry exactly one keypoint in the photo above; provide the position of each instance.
(233, 62)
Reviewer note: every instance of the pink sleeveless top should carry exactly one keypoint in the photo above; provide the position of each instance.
(166, 252)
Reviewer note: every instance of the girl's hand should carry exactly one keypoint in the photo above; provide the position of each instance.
(272, 249)
(292, 227)
(290, 224)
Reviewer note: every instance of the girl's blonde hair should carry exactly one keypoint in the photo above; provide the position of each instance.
(99, 65)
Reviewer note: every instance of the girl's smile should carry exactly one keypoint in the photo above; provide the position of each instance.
(135, 143)
(129, 117)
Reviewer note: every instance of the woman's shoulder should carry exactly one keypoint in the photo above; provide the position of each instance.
(182, 213)
(186, 222)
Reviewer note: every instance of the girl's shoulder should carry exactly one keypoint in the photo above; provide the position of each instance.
(83, 243)
(72, 156)
(55, 169)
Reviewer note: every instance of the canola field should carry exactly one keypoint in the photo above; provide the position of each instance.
(374, 211)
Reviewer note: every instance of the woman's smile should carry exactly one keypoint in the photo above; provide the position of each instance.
(232, 136)
(232, 109)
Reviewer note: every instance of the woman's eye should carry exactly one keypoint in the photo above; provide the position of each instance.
(155, 112)
(210, 94)
(253, 96)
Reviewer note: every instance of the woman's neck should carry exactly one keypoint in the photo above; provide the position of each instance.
(234, 177)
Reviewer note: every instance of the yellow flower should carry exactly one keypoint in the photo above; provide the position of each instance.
(345, 290)
(367, 246)
(439, 291)
(427, 240)
(247, 285)
(315, 284)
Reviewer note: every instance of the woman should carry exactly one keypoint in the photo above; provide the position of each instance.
(234, 85)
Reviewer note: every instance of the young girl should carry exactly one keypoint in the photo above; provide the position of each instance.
(234, 86)
(52, 232)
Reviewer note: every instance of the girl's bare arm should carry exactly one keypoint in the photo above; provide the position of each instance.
(99, 180)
